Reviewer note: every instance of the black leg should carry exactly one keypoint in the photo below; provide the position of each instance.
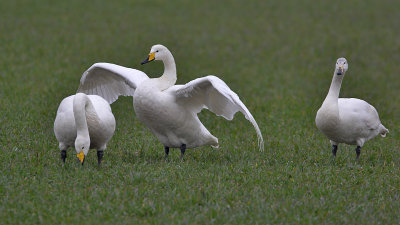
(358, 151)
(334, 150)
(63, 155)
(99, 156)
(183, 149)
(166, 148)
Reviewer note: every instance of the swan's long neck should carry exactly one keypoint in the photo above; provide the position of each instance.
(169, 77)
(328, 116)
(82, 106)
(334, 90)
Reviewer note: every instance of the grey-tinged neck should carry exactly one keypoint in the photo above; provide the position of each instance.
(334, 90)
(81, 107)
(169, 77)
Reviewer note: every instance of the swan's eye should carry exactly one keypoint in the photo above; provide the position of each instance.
(157, 51)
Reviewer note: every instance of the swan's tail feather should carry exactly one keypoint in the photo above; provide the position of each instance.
(383, 131)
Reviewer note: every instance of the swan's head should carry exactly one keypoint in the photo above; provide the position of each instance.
(157, 52)
(82, 146)
(341, 66)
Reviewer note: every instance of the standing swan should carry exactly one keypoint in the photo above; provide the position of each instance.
(347, 120)
(84, 121)
(168, 110)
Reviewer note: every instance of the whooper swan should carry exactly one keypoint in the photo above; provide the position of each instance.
(86, 122)
(168, 110)
(347, 120)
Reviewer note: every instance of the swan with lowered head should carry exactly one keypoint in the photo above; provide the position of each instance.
(85, 122)
(168, 110)
(347, 120)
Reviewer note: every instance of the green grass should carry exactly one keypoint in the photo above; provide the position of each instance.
(278, 56)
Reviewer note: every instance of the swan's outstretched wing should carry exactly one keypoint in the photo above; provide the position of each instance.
(212, 93)
(110, 81)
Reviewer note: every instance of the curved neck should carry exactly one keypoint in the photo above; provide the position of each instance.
(81, 106)
(334, 90)
(169, 77)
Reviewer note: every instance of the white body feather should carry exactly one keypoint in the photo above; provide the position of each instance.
(354, 122)
(172, 123)
(100, 122)
(168, 110)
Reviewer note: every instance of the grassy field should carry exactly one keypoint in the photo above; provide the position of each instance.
(279, 57)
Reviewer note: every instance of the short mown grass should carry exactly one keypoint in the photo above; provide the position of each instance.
(278, 56)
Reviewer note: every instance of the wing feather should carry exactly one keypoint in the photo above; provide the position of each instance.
(212, 93)
(110, 81)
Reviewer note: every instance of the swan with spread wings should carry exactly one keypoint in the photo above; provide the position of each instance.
(168, 110)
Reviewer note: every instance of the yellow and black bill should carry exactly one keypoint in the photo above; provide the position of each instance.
(81, 157)
(149, 58)
(340, 70)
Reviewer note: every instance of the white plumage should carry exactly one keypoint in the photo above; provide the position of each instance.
(84, 122)
(347, 120)
(110, 81)
(168, 110)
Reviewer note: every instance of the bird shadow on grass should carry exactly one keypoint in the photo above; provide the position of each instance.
(156, 155)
